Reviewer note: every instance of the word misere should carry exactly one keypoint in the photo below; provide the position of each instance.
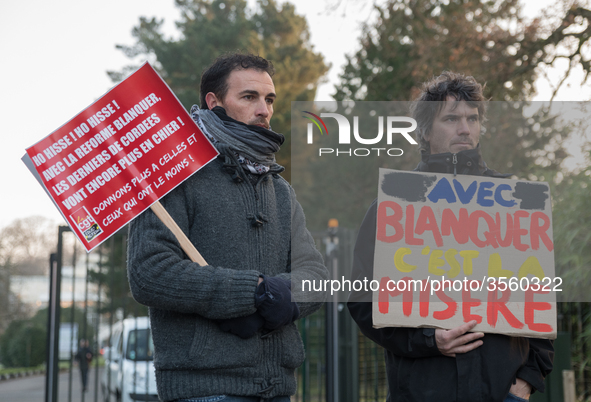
(495, 304)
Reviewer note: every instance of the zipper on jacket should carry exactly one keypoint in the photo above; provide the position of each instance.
(454, 161)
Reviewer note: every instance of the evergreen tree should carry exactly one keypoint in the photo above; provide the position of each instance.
(210, 28)
(111, 275)
(412, 41)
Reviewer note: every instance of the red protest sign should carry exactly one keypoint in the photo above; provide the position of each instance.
(119, 156)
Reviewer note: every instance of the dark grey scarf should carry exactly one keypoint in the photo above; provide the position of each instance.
(257, 144)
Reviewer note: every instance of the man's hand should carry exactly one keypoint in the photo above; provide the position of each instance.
(244, 327)
(273, 302)
(457, 340)
(521, 389)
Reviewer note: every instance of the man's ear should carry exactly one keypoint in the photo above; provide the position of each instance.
(212, 100)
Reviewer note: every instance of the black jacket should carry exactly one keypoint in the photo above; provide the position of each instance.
(416, 369)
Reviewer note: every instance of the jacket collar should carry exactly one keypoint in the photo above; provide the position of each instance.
(468, 162)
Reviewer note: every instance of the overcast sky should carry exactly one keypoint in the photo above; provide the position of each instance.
(55, 55)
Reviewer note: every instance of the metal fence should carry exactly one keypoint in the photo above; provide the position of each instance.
(121, 367)
(574, 350)
(341, 364)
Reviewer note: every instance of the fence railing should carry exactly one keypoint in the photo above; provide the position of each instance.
(93, 293)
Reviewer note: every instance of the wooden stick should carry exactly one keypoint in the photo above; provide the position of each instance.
(186, 244)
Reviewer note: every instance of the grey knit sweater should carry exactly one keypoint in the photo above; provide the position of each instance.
(218, 208)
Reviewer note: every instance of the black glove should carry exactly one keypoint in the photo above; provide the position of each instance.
(273, 301)
(244, 327)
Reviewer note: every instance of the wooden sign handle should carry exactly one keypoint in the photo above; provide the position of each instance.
(186, 244)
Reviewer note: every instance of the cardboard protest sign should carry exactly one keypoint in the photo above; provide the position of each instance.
(451, 249)
(119, 156)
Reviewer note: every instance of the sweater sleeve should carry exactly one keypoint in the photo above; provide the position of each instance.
(306, 263)
(404, 342)
(162, 276)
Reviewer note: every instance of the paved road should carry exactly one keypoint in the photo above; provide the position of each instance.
(32, 389)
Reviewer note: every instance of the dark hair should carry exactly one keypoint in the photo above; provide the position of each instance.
(433, 95)
(215, 77)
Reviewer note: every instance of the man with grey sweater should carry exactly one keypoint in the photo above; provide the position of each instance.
(225, 331)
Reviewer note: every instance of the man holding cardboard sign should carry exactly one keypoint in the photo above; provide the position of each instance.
(426, 364)
(225, 331)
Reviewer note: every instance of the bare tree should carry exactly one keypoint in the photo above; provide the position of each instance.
(25, 245)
